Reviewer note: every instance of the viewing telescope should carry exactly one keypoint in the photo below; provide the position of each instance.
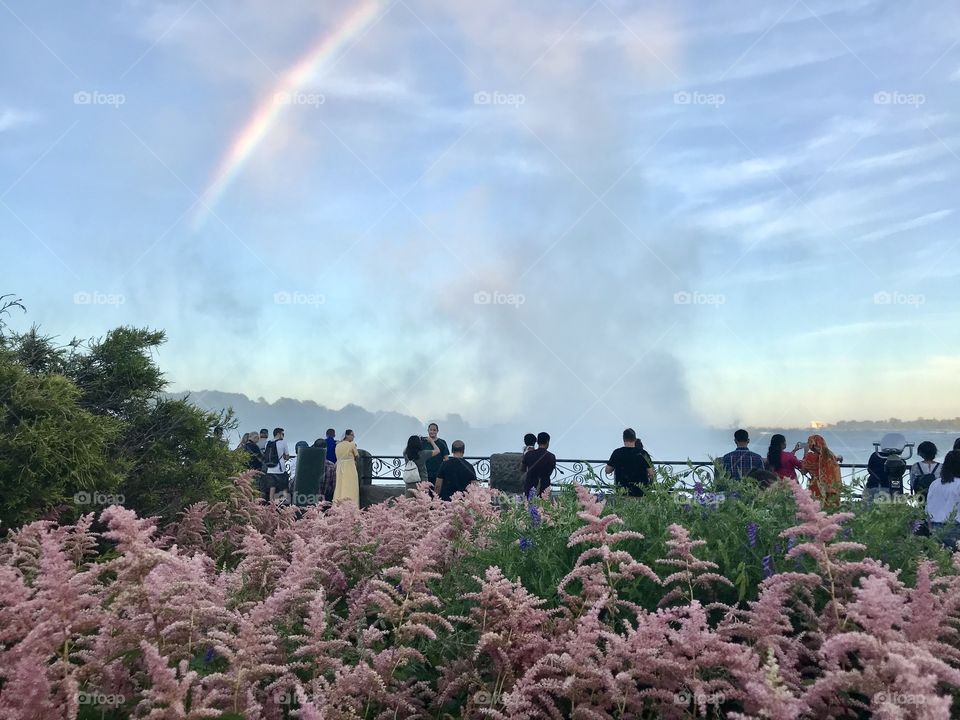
(891, 446)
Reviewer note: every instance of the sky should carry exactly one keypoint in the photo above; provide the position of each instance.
(578, 215)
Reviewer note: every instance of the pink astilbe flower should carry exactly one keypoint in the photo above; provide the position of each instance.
(600, 569)
(172, 694)
(692, 572)
(409, 606)
(785, 601)
(514, 632)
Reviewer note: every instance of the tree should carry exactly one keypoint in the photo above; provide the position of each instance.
(92, 418)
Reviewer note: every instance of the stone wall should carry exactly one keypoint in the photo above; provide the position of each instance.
(505, 472)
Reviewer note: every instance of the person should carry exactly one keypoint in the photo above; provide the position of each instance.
(784, 464)
(924, 472)
(435, 461)
(943, 497)
(275, 456)
(529, 440)
(329, 483)
(331, 443)
(348, 479)
(264, 439)
(455, 473)
(956, 444)
(823, 468)
(630, 466)
(539, 465)
(255, 461)
(416, 452)
(738, 463)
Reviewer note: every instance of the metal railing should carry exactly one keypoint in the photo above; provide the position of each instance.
(388, 470)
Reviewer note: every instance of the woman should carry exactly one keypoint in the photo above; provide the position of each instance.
(823, 468)
(784, 464)
(255, 461)
(348, 481)
(943, 498)
(415, 452)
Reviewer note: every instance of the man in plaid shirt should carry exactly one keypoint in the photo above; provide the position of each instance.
(740, 462)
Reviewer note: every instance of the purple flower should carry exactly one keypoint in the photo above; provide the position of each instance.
(525, 544)
(791, 542)
(698, 487)
(209, 655)
(532, 493)
(599, 496)
(767, 566)
(915, 526)
(752, 534)
(535, 518)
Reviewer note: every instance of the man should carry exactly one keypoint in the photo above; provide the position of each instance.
(739, 463)
(630, 466)
(539, 465)
(455, 473)
(264, 438)
(275, 457)
(331, 445)
(433, 463)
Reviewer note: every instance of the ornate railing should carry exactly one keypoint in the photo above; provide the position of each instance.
(388, 470)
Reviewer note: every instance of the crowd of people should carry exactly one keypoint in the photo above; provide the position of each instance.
(428, 458)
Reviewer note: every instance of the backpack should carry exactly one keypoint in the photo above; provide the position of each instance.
(924, 480)
(411, 473)
(271, 458)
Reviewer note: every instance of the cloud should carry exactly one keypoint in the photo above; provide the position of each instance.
(12, 118)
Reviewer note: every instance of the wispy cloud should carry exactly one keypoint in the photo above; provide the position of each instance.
(11, 118)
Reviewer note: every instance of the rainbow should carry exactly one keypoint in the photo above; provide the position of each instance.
(291, 83)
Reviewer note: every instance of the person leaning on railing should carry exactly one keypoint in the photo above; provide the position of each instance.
(630, 465)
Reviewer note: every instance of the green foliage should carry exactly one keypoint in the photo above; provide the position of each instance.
(50, 447)
(92, 417)
(885, 530)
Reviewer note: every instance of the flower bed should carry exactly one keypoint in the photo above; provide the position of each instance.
(759, 606)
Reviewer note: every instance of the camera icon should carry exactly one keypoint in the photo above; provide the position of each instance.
(681, 98)
(82, 498)
(882, 298)
(882, 98)
(282, 298)
(481, 98)
(481, 298)
(282, 98)
(81, 298)
(682, 298)
(683, 697)
(82, 98)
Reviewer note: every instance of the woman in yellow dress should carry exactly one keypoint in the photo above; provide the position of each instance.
(348, 482)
